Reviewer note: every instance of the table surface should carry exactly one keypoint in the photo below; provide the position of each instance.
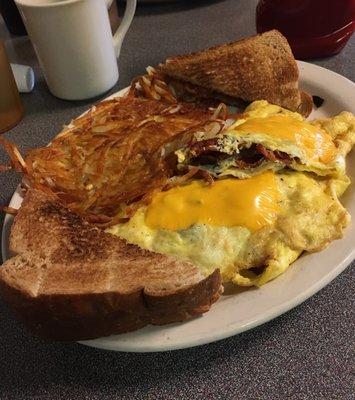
(306, 353)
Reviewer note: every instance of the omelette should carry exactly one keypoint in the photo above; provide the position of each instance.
(269, 137)
(276, 185)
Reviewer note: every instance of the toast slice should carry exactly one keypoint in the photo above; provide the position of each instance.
(72, 281)
(261, 67)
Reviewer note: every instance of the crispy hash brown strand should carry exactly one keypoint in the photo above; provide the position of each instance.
(159, 86)
(103, 159)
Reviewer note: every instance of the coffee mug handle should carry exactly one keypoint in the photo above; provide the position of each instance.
(124, 25)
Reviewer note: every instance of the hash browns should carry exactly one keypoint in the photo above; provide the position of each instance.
(102, 160)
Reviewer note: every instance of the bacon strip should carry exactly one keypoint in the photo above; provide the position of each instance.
(276, 156)
(207, 152)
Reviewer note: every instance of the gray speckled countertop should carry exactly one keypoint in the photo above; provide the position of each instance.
(307, 353)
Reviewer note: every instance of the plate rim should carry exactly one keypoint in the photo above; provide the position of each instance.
(274, 312)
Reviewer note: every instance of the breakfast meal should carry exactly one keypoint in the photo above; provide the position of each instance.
(141, 209)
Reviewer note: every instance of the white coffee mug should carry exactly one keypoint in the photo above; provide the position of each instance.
(74, 44)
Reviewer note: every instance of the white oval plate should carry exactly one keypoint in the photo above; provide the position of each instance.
(247, 309)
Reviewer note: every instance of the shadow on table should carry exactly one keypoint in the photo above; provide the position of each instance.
(168, 6)
(41, 100)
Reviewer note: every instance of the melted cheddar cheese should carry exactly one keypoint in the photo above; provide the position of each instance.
(317, 144)
(251, 203)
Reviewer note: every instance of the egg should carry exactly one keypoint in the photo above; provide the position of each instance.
(269, 137)
(278, 179)
(252, 230)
